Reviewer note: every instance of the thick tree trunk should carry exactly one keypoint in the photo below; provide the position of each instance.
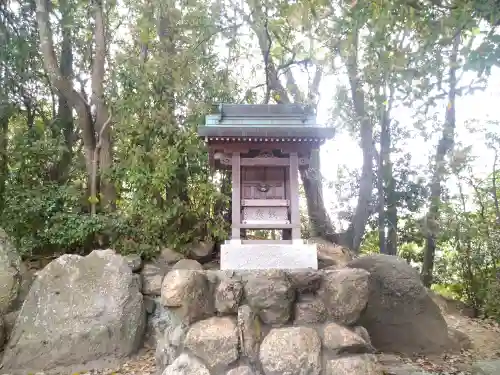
(381, 202)
(65, 85)
(103, 117)
(321, 225)
(362, 213)
(388, 215)
(64, 121)
(5, 113)
(445, 146)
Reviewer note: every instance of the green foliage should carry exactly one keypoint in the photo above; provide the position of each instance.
(166, 65)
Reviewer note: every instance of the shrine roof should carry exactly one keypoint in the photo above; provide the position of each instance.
(264, 110)
(283, 122)
(302, 132)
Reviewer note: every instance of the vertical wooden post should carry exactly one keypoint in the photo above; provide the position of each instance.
(236, 198)
(294, 197)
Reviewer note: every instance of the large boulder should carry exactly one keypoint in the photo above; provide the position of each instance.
(152, 275)
(250, 332)
(186, 365)
(344, 293)
(201, 251)
(10, 273)
(188, 293)
(400, 315)
(291, 351)
(3, 331)
(309, 309)
(188, 264)
(79, 310)
(271, 294)
(341, 340)
(169, 335)
(228, 294)
(215, 341)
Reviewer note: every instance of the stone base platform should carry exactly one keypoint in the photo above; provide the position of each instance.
(266, 256)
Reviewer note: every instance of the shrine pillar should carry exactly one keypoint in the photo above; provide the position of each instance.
(293, 179)
(236, 198)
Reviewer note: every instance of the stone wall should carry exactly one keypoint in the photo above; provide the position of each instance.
(262, 322)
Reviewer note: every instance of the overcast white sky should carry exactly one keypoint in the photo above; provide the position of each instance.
(480, 106)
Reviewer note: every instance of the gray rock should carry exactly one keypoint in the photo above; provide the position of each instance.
(170, 333)
(9, 320)
(341, 340)
(291, 351)
(400, 315)
(10, 273)
(271, 295)
(345, 294)
(188, 264)
(488, 367)
(228, 295)
(189, 294)
(79, 309)
(305, 281)
(152, 278)
(250, 331)
(27, 278)
(186, 365)
(364, 364)
(134, 261)
(3, 332)
(150, 304)
(201, 251)
(168, 256)
(363, 333)
(330, 254)
(241, 370)
(309, 309)
(214, 340)
(138, 280)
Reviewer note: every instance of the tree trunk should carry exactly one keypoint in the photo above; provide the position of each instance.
(64, 85)
(5, 113)
(388, 215)
(362, 213)
(381, 201)
(445, 146)
(103, 117)
(321, 225)
(64, 121)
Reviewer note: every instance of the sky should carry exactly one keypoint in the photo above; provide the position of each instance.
(344, 150)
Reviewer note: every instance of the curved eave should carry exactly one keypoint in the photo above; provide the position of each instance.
(265, 133)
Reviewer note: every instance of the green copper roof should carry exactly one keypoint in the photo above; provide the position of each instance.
(262, 115)
(266, 132)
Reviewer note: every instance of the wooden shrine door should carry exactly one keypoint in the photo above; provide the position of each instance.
(264, 195)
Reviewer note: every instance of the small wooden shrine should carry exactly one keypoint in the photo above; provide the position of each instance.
(264, 146)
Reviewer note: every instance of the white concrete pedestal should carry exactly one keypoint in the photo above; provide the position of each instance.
(265, 256)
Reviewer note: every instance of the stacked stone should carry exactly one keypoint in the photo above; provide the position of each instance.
(264, 322)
